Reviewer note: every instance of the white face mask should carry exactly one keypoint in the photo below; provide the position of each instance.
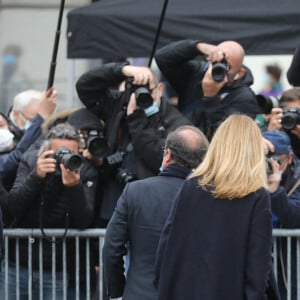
(6, 140)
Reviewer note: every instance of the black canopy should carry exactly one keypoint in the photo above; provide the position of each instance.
(126, 28)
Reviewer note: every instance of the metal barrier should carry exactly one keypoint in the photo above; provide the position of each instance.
(34, 236)
(285, 240)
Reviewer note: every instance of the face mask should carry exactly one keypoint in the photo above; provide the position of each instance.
(151, 110)
(161, 168)
(6, 140)
(27, 125)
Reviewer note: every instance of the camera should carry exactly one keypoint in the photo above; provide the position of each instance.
(290, 118)
(267, 103)
(96, 143)
(68, 158)
(219, 70)
(143, 96)
(124, 176)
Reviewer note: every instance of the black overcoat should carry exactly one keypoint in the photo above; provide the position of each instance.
(215, 249)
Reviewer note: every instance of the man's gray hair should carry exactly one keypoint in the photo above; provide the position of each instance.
(188, 146)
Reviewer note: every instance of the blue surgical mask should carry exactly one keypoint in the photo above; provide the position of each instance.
(151, 110)
(27, 125)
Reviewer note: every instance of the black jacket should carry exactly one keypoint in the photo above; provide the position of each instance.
(177, 63)
(34, 202)
(215, 249)
(140, 138)
(139, 217)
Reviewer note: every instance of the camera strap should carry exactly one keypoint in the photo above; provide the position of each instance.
(293, 187)
(117, 116)
(46, 237)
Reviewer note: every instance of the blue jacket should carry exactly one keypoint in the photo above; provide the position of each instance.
(9, 162)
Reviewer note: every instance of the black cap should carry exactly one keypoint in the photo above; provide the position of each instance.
(85, 119)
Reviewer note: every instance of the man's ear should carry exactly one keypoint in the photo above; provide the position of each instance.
(240, 74)
(291, 157)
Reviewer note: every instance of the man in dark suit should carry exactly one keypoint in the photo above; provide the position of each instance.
(141, 213)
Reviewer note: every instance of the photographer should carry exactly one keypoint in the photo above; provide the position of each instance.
(136, 127)
(52, 190)
(287, 117)
(284, 188)
(211, 90)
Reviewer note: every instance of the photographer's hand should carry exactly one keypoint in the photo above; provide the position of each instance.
(69, 178)
(275, 178)
(206, 49)
(48, 103)
(45, 163)
(275, 120)
(268, 146)
(209, 86)
(141, 75)
(131, 107)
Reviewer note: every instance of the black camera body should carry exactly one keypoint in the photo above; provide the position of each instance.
(267, 103)
(269, 167)
(122, 175)
(96, 143)
(219, 70)
(68, 158)
(290, 118)
(143, 96)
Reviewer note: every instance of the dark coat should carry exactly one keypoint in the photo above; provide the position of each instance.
(139, 217)
(215, 249)
(177, 63)
(293, 73)
(140, 138)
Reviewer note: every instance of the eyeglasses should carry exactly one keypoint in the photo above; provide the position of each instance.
(151, 90)
(25, 117)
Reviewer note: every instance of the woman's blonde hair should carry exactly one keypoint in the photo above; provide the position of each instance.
(234, 165)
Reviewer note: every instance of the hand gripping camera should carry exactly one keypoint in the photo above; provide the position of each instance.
(68, 158)
(290, 118)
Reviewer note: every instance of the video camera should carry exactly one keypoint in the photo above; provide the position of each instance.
(267, 103)
(290, 118)
(219, 70)
(68, 158)
(96, 143)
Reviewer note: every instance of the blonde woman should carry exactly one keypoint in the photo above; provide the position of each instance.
(216, 244)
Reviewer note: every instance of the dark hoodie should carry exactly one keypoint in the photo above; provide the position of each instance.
(177, 61)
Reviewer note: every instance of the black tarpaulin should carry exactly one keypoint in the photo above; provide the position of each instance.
(126, 28)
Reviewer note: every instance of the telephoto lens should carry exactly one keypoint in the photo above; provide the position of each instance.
(219, 70)
(143, 97)
(68, 158)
